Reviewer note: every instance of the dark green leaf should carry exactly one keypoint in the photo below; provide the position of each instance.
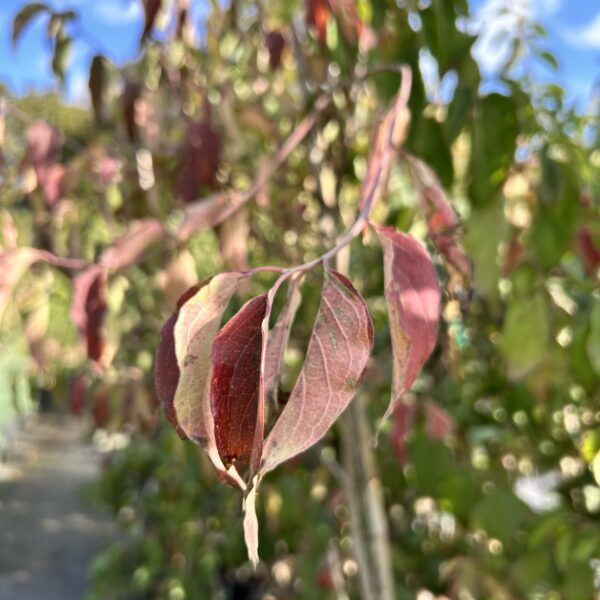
(23, 18)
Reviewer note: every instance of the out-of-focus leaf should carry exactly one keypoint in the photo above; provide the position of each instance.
(457, 112)
(201, 158)
(233, 241)
(443, 225)
(88, 309)
(500, 514)
(96, 85)
(179, 275)
(60, 58)
(151, 8)
(493, 144)
(593, 340)
(525, 335)
(587, 249)
(485, 229)
(14, 262)
(317, 15)
(234, 387)
(275, 43)
(339, 347)
(24, 16)
(555, 223)
(129, 248)
(131, 93)
(412, 295)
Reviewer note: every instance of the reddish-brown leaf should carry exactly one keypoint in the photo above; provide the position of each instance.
(275, 43)
(339, 347)
(234, 384)
(412, 294)
(201, 158)
(587, 249)
(389, 136)
(444, 226)
(183, 364)
(96, 86)
(131, 93)
(317, 15)
(151, 8)
(438, 424)
(88, 308)
(129, 248)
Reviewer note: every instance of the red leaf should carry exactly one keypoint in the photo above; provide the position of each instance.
(234, 384)
(201, 158)
(443, 224)
(438, 421)
(513, 253)
(412, 294)
(339, 347)
(77, 392)
(151, 8)
(88, 309)
(275, 43)
(389, 136)
(587, 249)
(183, 364)
(129, 248)
(317, 15)
(404, 421)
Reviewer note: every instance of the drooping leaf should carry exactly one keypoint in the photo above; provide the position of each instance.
(587, 249)
(129, 248)
(389, 136)
(317, 15)
(131, 93)
(60, 58)
(278, 339)
(14, 263)
(88, 309)
(201, 158)
(525, 335)
(234, 386)
(443, 225)
(151, 8)
(194, 330)
(337, 354)
(24, 16)
(96, 85)
(412, 295)
(275, 43)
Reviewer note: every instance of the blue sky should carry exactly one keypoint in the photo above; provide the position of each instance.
(113, 28)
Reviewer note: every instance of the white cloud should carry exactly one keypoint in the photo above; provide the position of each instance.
(587, 36)
(118, 12)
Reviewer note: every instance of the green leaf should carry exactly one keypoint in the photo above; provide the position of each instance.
(549, 59)
(458, 112)
(62, 50)
(23, 18)
(428, 142)
(493, 144)
(525, 335)
(593, 340)
(96, 85)
(500, 514)
(485, 229)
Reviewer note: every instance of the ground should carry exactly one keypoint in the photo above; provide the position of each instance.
(48, 535)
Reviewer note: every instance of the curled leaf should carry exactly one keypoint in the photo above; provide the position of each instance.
(339, 347)
(183, 364)
(234, 387)
(412, 295)
(88, 309)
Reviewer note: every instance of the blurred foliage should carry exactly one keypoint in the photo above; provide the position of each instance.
(507, 505)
